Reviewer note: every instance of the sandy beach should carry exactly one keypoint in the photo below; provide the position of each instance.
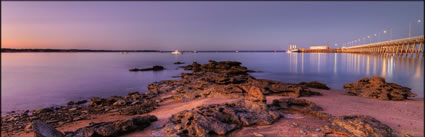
(405, 117)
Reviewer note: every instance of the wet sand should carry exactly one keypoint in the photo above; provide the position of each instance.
(405, 117)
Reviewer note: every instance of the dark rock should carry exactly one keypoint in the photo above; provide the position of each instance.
(377, 88)
(178, 62)
(314, 84)
(44, 130)
(77, 102)
(154, 68)
(115, 128)
(358, 126)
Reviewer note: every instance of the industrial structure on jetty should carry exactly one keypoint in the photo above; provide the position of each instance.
(413, 46)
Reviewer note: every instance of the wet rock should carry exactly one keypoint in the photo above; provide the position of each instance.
(115, 128)
(178, 62)
(154, 68)
(42, 129)
(358, 126)
(377, 88)
(314, 84)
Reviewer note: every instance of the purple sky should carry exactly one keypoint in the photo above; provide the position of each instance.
(203, 25)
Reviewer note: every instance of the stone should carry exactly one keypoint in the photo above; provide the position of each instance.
(28, 128)
(42, 129)
(154, 68)
(377, 88)
(255, 134)
(314, 84)
(114, 128)
(119, 102)
(358, 126)
(218, 119)
(178, 62)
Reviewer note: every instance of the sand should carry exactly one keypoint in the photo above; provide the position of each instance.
(405, 117)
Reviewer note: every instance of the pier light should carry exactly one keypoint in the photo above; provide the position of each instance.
(369, 36)
(419, 21)
(374, 34)
(385, 31)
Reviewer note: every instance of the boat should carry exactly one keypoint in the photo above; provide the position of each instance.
(292, 49)
(176, 52)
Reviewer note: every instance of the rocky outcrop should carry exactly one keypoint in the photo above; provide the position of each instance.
(77, 102)
(314, 84)
(358, 126)
(218, 119)
(377, 88)
(42, 129)
(154, 68)
(114, 128)
(223, 79)
(178, 62)
(133, 103)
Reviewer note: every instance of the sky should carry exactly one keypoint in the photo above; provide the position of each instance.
(213, 25)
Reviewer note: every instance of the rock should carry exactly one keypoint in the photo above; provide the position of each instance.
(377, 88)
(358, 126)
(178, 62)
(223, 79)
(72, 109)
(114, 128)
(255, 134)
(44, 130)
(28, 128)
(314, 84)
(154, 68)
(77, 102)
(96, 101)
(144, 107)
(218, 119)
(293, 105)
(119, 102)
(43, 110)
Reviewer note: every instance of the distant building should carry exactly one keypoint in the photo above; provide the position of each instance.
(319, 47)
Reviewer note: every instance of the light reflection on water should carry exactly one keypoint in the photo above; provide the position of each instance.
(33, 80)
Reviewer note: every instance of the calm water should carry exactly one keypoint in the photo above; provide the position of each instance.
(34, 80)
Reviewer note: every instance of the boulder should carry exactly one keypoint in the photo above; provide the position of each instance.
(154, 68)
(314, 84)
(178, 62)
(42, 129)
(358, 126)
(218, 119)
(114, 128)
(377, 88)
